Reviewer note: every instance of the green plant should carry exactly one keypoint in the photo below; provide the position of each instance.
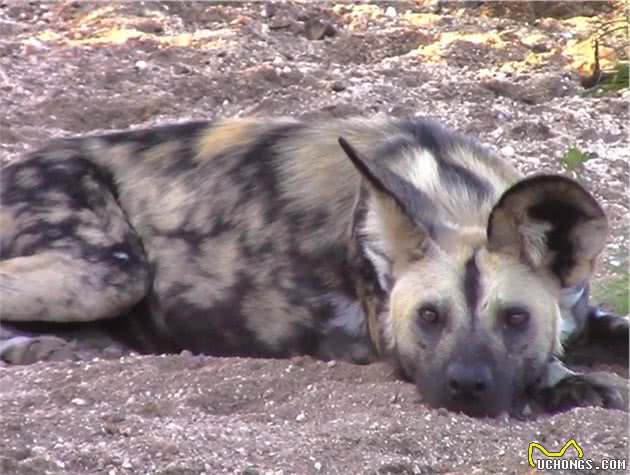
(613, 291)
(573, 159)
(611, 32)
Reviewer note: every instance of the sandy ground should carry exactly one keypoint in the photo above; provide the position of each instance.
(72, 67)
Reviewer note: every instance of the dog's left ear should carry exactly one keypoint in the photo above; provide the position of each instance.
(551, 223)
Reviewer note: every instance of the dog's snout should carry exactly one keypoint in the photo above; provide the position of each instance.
(468, 381)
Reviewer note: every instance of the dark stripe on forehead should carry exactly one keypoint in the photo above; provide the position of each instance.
(472, 286)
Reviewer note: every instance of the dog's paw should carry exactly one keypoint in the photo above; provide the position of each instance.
(606, 325)
(600, 389)
(24, 350)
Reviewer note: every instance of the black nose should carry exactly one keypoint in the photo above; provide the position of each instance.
(468, 382)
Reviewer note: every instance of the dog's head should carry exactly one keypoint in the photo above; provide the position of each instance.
(472, 315)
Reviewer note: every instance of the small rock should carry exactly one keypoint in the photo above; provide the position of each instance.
(269, 10)
(115, 417)
(318, 466)
(141, 65)
(286, 70)
(149, 26)
(541, 48)
(508, 151)
(300, 417)
(186, 354)
(278, 60)
(612, 138)
(32, 46)
(338, 86)
(78, 401)
(331, 364)
(496, 133)
(112, 352)
(390, 12)
(317, 29)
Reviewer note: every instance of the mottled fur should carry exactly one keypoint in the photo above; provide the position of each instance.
(273, 238)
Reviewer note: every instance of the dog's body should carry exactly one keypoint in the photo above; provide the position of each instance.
(272, 238)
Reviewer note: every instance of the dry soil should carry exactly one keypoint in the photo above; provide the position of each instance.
(511, 78)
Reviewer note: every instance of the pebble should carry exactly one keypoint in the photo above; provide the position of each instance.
(141, 65)
(390, 12)
(504, 115)
(508, 151)
(318, 466)
(496, 133)
(112, 352)
(33, 45)
(78, 401)
(268, 10)
(318, 29)
(338, 86)
(300, 417)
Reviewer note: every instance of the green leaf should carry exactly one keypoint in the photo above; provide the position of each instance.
(613, 293)
(573, 159)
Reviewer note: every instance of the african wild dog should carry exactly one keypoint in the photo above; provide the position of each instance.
(352, 239)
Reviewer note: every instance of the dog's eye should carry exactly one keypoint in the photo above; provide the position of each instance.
(428, 314)
(515, 317)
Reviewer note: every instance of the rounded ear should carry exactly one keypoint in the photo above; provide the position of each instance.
(551, 223)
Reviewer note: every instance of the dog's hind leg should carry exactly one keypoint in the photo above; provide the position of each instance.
(68, 252)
